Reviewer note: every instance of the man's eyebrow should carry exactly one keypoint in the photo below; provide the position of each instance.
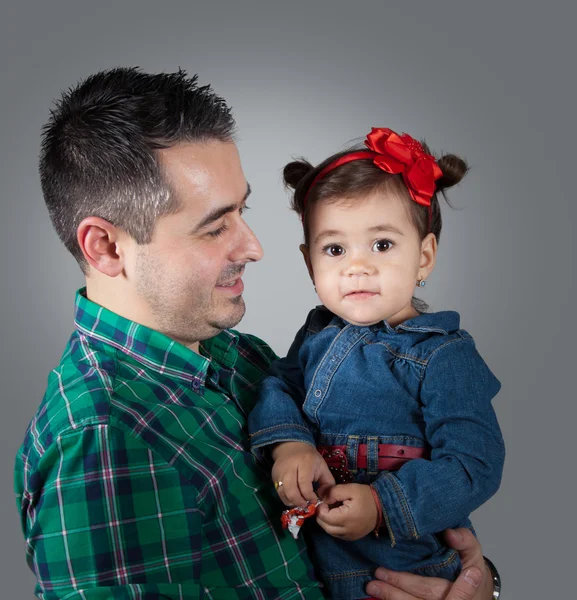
(217, 213)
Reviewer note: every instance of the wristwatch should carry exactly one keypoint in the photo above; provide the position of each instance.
(496, 579)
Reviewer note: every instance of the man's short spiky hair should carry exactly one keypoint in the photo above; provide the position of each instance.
(98, 155)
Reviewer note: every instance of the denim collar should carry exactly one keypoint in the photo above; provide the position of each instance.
(444, 322)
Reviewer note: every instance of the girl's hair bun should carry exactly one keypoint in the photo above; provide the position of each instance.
(454, 169)
(295, 171)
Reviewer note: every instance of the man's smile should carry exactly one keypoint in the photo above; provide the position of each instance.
(233, 287)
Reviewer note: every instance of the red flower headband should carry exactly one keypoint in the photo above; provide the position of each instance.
(394, 154)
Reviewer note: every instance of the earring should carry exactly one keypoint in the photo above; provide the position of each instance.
(421, 283)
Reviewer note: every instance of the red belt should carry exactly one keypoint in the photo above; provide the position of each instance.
(391, 456)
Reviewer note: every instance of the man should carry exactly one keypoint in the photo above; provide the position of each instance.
(135, 478)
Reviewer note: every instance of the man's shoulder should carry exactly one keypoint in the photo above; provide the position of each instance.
(78, 393)
(253, 350)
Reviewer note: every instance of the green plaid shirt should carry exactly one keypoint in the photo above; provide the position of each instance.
(135, 479)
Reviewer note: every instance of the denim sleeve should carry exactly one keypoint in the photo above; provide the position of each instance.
(467, 449)
(277, 416)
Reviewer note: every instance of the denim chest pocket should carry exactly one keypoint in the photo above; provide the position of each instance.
(362, 388)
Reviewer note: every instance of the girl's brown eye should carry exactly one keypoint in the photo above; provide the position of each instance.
(334, 250)
(382, 245)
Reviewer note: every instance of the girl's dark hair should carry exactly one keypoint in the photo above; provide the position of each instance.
(360, 178)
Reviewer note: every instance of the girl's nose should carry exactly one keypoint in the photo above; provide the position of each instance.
(359, 267)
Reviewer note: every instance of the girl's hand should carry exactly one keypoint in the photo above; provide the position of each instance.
(298, 465)
(354, 518)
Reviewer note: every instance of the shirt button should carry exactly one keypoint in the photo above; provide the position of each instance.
(196, 384)
(318, 393)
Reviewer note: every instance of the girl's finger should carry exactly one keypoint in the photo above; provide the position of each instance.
(289, 491)
(305, 485)
(334, 530)
(334, 516)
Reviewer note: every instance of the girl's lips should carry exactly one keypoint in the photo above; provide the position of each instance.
(236, 289)
(360, 295)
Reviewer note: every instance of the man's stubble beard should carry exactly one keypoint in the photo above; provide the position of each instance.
(189, 320)
(232, 320)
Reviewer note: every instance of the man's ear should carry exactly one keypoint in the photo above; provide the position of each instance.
(428, 256)
(98, 239)
(307, 256)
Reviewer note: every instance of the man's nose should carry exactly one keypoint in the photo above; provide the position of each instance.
(248, 248)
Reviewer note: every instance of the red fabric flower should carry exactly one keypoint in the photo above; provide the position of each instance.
(403, 154)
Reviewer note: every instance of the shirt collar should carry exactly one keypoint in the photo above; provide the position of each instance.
(151, 348)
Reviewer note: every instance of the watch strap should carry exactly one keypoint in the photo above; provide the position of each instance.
(495, 577)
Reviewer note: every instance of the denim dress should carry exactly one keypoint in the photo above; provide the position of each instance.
(421, 384)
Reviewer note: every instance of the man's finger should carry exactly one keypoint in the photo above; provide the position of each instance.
(474, 580)
(466, 585)
(384, 591)
(468, 546)
(416, 586)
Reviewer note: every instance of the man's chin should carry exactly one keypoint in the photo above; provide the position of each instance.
(233, 316)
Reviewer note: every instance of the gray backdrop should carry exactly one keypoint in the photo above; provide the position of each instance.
(492, 82)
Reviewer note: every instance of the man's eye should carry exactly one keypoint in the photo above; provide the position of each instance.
(218, 231)
(382, 245)
(243, 208)
(334, 250)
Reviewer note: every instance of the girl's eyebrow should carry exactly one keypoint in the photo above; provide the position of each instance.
(389, 228)
(327, 233)
(376, 229)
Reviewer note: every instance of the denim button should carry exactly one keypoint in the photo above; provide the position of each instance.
(318, 393)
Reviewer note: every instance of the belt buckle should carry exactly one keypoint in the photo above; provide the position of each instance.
(340, 470)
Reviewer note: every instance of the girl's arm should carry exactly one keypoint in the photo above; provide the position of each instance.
(467, 450)
(277, 416)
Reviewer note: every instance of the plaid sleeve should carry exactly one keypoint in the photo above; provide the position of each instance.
(110, 519)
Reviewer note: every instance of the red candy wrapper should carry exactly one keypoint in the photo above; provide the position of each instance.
(293, 518)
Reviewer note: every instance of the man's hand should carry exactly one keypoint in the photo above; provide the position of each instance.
(474, 582)
(356, 515)
(298, 465)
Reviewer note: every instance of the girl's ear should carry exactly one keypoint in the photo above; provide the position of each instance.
(307, 257)
(428, 256)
